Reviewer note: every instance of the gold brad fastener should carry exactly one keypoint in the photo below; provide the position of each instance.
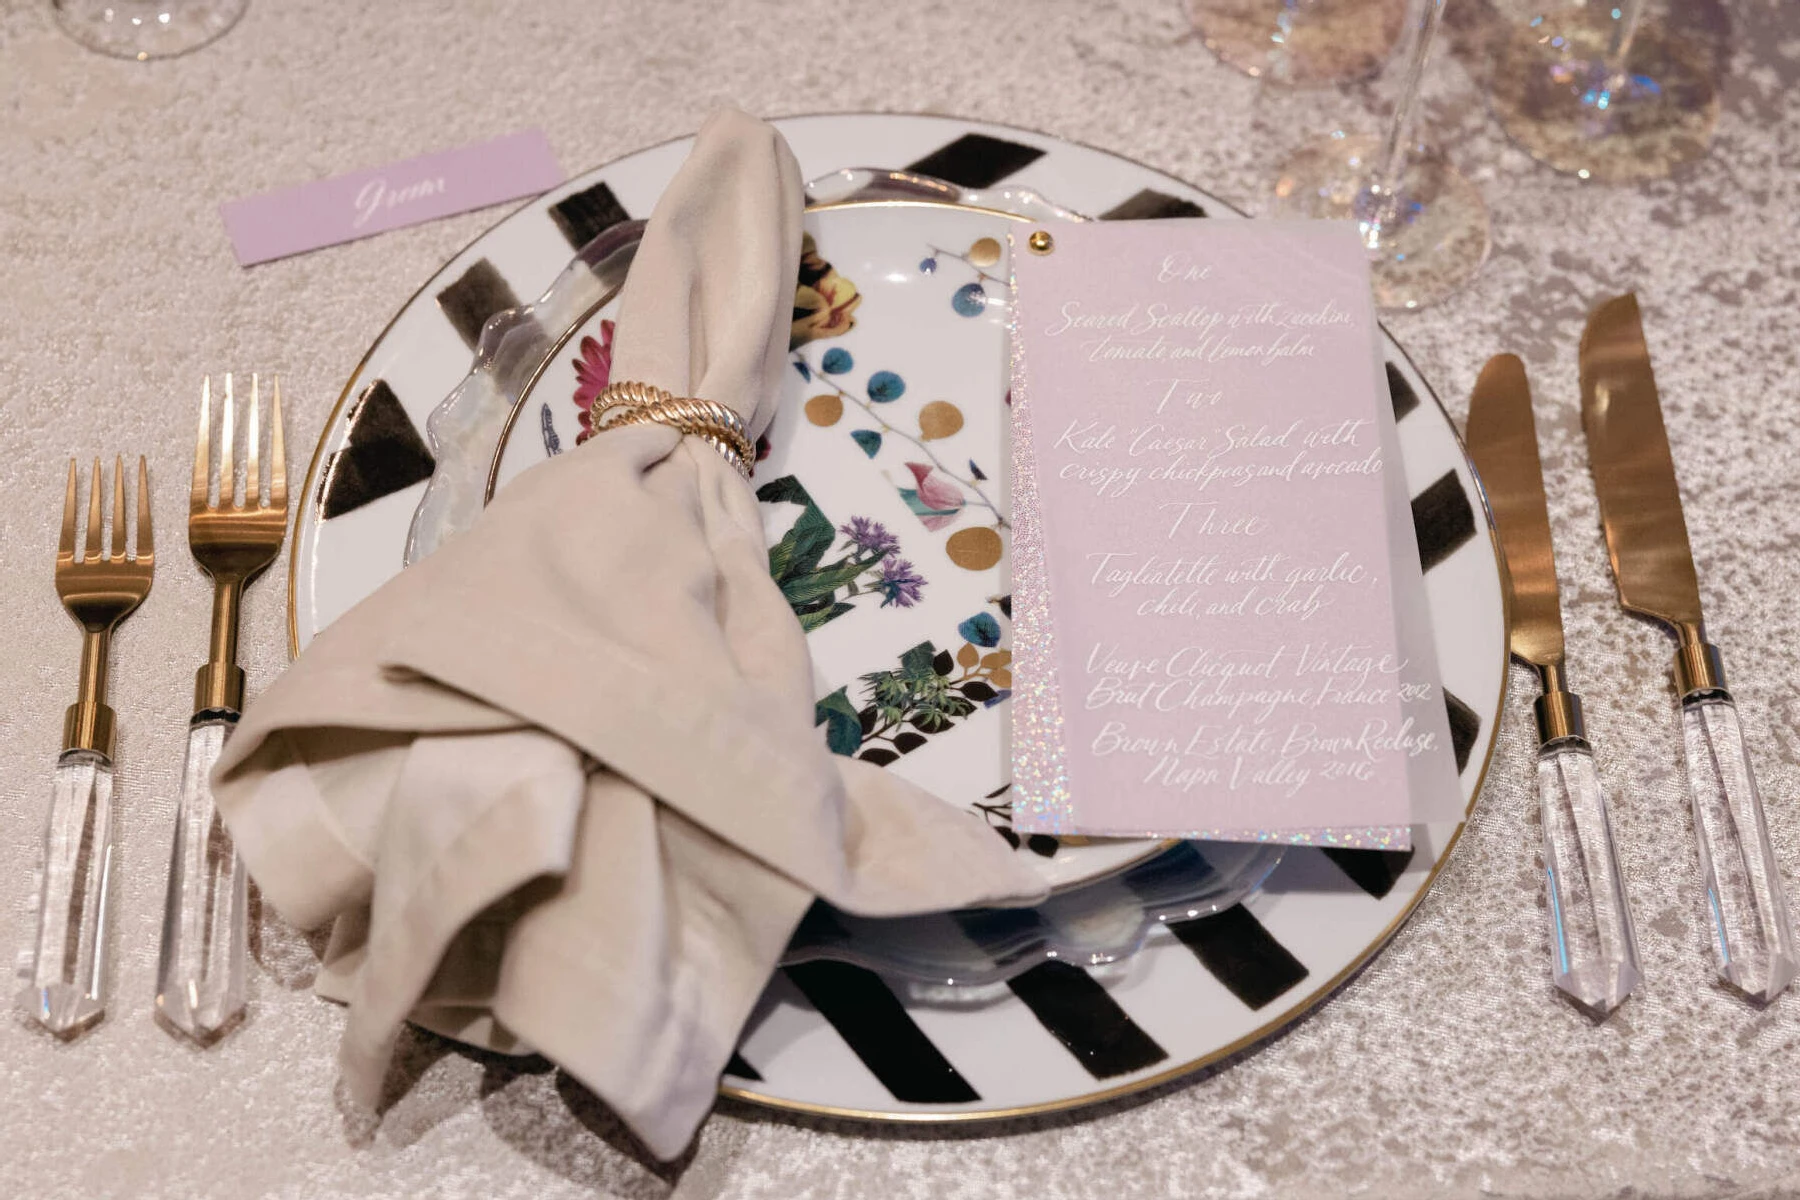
(1040, 242)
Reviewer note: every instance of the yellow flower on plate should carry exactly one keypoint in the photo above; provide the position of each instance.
(824, 302)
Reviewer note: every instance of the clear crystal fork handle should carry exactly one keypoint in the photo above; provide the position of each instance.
(65, 981)
(63, 969)
(201, 970)
(1753, 934)
(200, 973)
(1593, 946)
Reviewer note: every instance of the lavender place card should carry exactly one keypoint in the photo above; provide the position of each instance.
(346, 207)
(1220, 624)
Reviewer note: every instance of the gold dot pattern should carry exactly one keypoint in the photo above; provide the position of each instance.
(985, 253)
(975, 549)
(939, 419)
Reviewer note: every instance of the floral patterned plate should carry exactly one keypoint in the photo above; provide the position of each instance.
(883, 483)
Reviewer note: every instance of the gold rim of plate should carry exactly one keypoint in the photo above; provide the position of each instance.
(926, 1116)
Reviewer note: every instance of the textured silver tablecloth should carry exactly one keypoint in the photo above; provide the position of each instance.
(1448, 1068)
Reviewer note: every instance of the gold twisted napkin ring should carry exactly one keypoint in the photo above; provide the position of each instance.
(629, 402)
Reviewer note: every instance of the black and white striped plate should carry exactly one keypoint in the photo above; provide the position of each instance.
(832, 1038)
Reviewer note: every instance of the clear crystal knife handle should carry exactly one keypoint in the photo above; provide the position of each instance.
(1593, 947)
(200, 987)
(1753, 935)
(64, 968)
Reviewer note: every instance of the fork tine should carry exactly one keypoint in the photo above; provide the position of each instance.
(227, 468)
(253, 485)
(200, 497)
(277, 455)
(65, 545)
(146, 543)
(93, 526)
(118, 538)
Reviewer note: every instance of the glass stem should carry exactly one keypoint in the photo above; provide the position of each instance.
(1631, 14)
(1618, 50)
(1392, 167)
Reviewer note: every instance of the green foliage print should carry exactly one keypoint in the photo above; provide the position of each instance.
(866, 564)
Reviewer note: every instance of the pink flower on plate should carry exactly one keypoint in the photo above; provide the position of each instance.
(935, 499)
(592, 371)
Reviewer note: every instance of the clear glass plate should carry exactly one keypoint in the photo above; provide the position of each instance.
(1099, 923)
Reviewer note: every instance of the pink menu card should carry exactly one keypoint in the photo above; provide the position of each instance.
(1219, 614)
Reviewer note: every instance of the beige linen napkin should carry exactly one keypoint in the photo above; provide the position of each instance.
(558, 785)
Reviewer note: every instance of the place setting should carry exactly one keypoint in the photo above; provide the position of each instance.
(907, 619)
(884, 492)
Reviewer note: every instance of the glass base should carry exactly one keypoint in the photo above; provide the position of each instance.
(1424, 243)
(146, 29)
(1562, 104)
(1301, 42)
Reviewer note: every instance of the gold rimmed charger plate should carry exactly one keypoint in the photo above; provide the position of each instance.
(1203, 1032)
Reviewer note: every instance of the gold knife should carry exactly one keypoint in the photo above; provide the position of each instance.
(1593, 946)
(1640, 509)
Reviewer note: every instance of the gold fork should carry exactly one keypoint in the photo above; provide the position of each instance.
(67, 983)
(200, 987)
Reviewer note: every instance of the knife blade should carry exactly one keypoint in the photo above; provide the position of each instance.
(1594, 955)
(1503, 442)
(1634, 473)
(1653, 566)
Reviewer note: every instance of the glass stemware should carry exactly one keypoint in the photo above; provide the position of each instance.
(146, 29)
(1424, 223)
(1302, 42)
(1605, 94)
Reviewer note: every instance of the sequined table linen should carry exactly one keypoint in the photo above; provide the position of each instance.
(1447, 1068)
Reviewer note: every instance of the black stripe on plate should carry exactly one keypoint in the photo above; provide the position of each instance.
(741, 1069)
(586, 215)
(1443, 518)
(1152, 205)
(1374, 871)
(383, 454)
(480, 293)
(1465, 727)
(1241, 954)
(1400, 392)
(976, 160)
(874, 1024)
(999, 927)
(1089, 1023)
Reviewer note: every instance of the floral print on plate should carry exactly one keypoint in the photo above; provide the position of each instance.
(885, 498)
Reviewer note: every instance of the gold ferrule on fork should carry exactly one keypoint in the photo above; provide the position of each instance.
(88, 723)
